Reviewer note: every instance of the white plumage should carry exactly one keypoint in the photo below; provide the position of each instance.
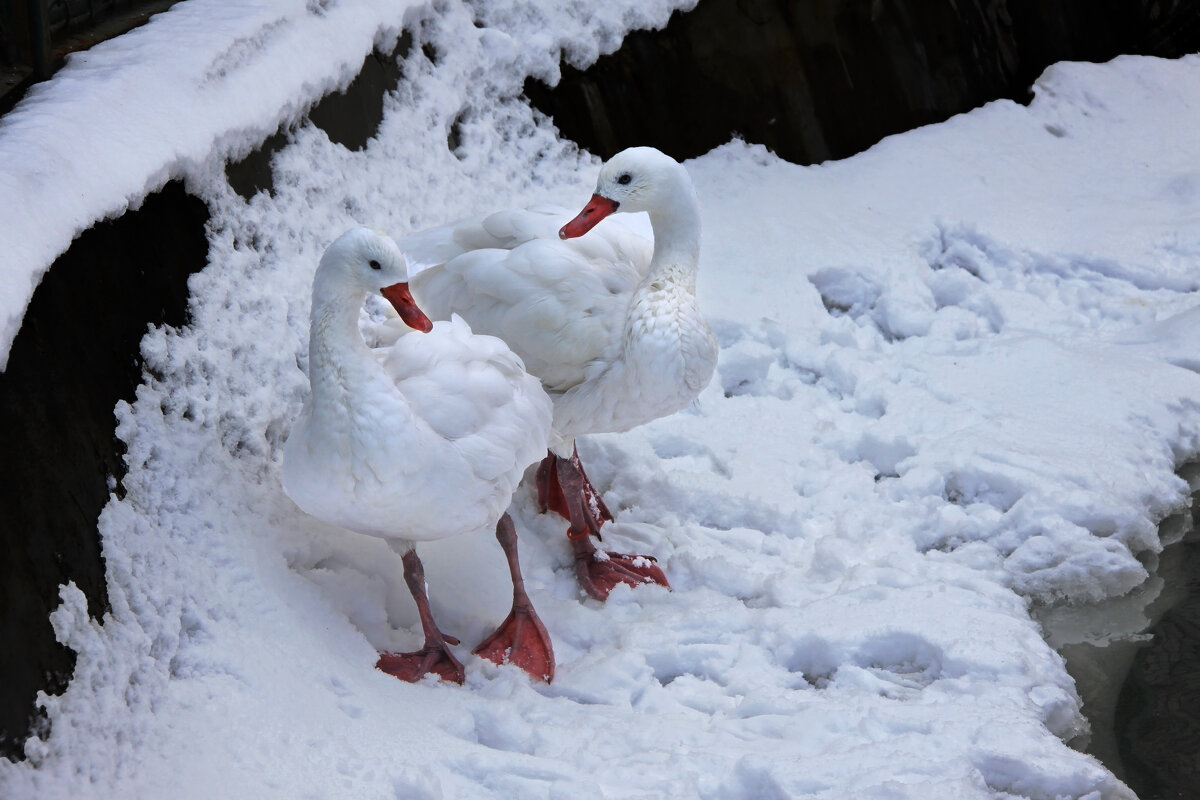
(608, 322)
(421, 440)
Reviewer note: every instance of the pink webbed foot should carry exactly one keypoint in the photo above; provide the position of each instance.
(600, 572)
(521, 640)
(434, 658)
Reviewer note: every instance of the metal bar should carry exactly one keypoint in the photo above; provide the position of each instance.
(39, 39)
(58, 17)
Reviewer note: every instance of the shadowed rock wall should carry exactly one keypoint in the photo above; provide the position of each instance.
(1158, 709)
(75, 356)
(820, 79)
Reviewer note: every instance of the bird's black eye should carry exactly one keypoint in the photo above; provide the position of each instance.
(624, 178)
(374, 264)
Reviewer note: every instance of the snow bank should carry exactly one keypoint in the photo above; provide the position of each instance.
(957, 372)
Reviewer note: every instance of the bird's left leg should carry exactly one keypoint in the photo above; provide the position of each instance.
(599, 571)
(522, 638)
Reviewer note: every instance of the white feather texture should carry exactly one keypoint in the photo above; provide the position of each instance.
(424, 439)
(608, 321)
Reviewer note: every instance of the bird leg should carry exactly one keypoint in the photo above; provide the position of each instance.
(550, 493)
(522, 638)
(599, 571)
(435, 656)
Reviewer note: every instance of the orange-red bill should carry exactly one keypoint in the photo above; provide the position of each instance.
(597, 209)
(402, 300)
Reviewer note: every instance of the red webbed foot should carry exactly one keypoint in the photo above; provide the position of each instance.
(550, 490)
(521, 640)
(433, 658)
(600, 572)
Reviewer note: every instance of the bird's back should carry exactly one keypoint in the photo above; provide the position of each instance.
(560, 305)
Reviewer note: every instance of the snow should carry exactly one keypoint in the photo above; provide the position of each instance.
(957, 376)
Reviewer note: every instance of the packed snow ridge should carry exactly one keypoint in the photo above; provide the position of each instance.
(957, 374)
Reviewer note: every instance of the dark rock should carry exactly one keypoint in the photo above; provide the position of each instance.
(820, 79)
(350, 118)
(253, 174)
(74, 357)
(1157, 721)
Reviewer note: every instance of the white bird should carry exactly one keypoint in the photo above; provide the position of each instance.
(423, 440)
(609, 323)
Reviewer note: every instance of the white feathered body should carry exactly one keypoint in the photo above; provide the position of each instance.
(424, 439)
(616, 340)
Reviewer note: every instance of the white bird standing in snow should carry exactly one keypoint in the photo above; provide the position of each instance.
(424, 440)
(609, 323)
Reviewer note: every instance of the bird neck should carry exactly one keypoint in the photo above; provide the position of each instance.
(336, 350)
(676, 239)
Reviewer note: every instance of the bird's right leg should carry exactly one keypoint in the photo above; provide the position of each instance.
(435, 656)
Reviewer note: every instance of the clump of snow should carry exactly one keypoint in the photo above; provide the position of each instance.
(957, 372)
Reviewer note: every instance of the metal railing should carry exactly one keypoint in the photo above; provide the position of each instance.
(71, 16)
(35, 35)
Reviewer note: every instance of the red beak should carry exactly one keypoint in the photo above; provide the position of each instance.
(597, 209)
(402, 300)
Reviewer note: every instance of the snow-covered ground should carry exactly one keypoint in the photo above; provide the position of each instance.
(957, 374)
